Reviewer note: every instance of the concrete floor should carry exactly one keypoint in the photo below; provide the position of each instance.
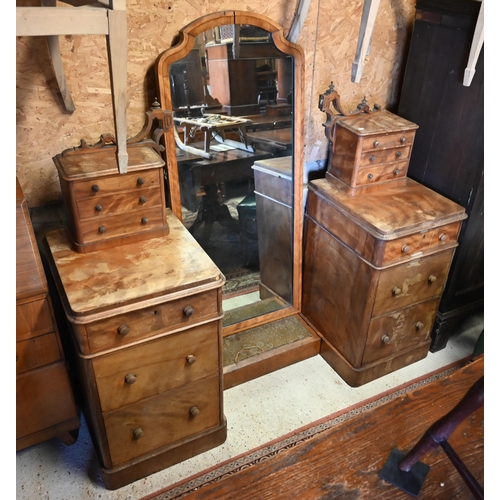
(257, 412)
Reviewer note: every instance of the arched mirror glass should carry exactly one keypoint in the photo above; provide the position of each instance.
(231, 158)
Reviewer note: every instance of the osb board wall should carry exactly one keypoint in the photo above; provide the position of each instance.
(329, 38)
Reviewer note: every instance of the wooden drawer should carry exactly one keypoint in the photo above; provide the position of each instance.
(414, 281)
(381, 173)
(132, 374)
(384, 156)
(44, 398)
(162, 420)
(399, 330)
(36, 352)
(33, 318)
(111, 185)
(118, 203)
(129, 327)
(378, 142)
(121, 225)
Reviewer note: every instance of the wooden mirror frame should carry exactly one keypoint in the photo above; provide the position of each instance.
(182, 46)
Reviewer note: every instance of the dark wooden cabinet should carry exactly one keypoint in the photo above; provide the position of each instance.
(448, 153)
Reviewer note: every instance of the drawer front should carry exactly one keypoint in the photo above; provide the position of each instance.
(118, 203)
(121, 225)
(33, 319)
(421, 242)
(394, 140)
(162, 420)
(399, 330)
(121, 182)
(381, 173)
(136, 325)
(411, 282)
(132, 374)
(35, 352)
(384, 156)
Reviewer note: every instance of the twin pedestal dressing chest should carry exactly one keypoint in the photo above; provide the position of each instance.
(378, 247)
(143, 303)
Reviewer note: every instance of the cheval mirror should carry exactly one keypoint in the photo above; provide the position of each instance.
(234, 159)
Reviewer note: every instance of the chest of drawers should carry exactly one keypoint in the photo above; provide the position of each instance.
(106, 208)
(375, 267)
(145, 319)
(45, 405)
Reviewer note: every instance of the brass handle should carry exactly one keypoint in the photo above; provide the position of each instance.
(138, 433)
(398, 154)
(98, 208)
(386, 339)
(102, 229)
(190, 358)
(130, 378)
(142, 199)
(372, 158)
(403, 139)
(396, 171)
(95, 188)
(188, 311)
(432, 278)
(405, 248)
(370, 176)
(396, 291)
(194, 410)
(140, 181)
(144, 220)
(443, 237)
(419, 325)
(376, 143)
(123, 330)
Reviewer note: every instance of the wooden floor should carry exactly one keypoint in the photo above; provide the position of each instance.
(344, 462)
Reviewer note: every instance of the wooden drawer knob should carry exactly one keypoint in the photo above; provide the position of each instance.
(188, 311)
(194, 410)
(419, 325)
(443, 237)
(138, 433)
(102, 229)
(95, 188)
(142, 199)
(130, 378)
(398, 154)
(372, 158)
(191, 358)
(376, 143)
(403, 139)
(140, 181)
(405, 248)
(386, 339)
(396, 291)
(396, 171)
(144, 220)
(432, 278)
(123, 330)
(370, 176)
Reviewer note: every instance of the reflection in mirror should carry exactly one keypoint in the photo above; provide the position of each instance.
(232, 99)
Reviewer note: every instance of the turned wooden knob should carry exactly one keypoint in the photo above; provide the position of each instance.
(372, 158)
(130, 378)
(370, 176)
(190, 358)
(123, 329)
(144, 220)
(376, 143)
(138, 433)
(419, 325)
(102, 229)
(396, 171)
(386, 339)
(194, 410)
(432, 278)
(188, 311)
(398, 154)
(95, 188)
(443, 237)
(405, 248)
(403, 139)
(396, 290)
(140, 181)
(98, 208)
(142, 199)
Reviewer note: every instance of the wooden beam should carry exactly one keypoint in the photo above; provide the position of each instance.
(298, 20)
(477, 43)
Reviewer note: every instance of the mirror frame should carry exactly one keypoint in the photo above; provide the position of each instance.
(183, 44)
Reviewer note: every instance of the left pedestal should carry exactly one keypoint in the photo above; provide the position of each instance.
(146, 321)
(45, 404)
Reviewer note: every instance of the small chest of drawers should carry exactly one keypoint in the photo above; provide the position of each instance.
(145, 320)
(106, 208)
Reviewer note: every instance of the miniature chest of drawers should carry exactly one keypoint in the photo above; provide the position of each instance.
(370, 150)
(374, 270)
(45, 405)
(106, 208)
(146, 321)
